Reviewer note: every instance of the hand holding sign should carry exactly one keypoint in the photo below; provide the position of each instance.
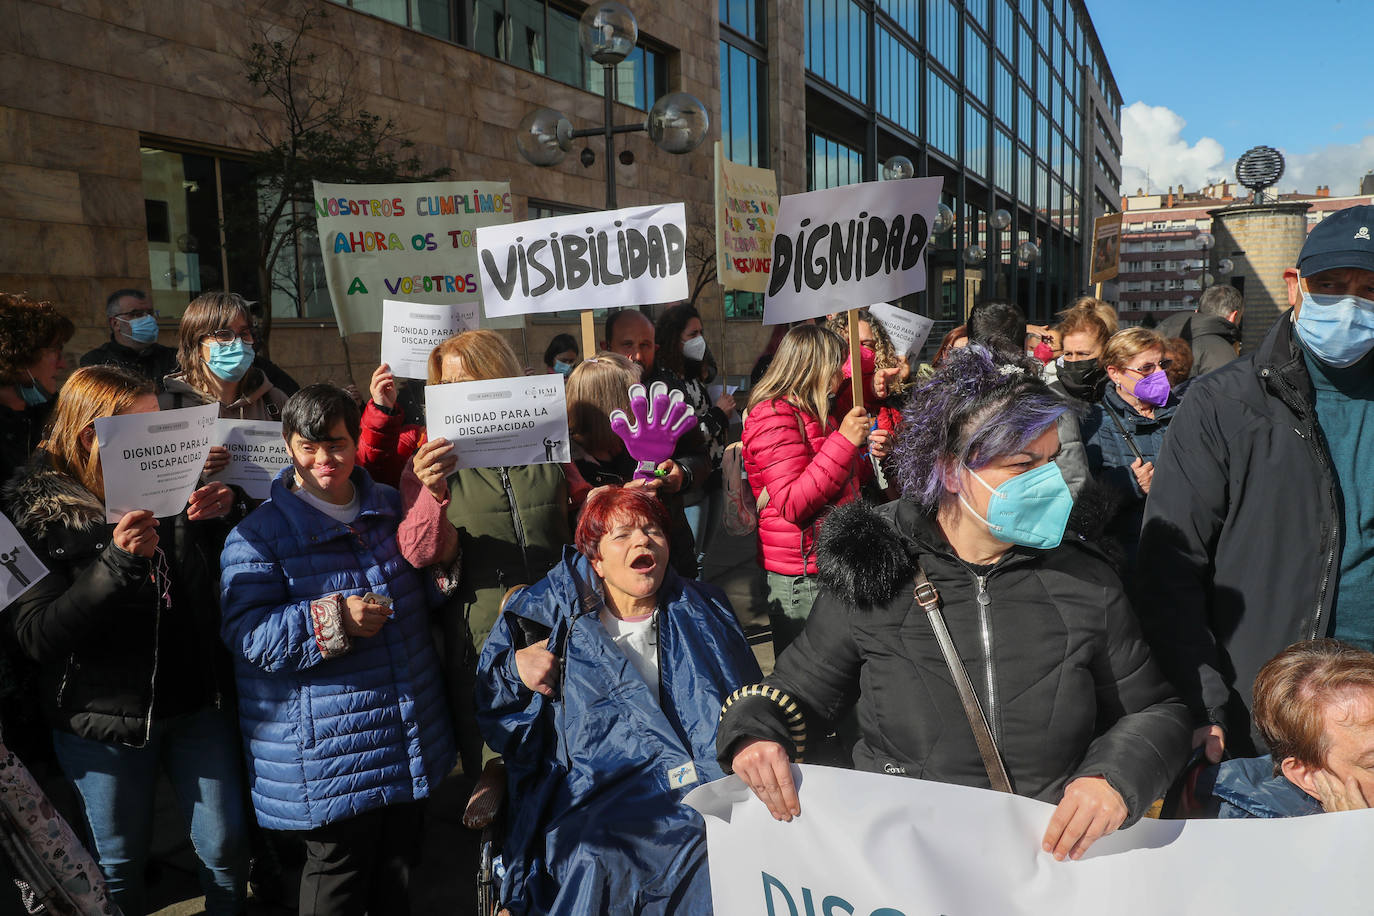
(383, 387)
(654, 434)
(433, 462)
(136, 533)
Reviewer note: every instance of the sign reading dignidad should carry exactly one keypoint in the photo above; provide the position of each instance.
(415, 241)
(410, 330)
(867, 844)
(501, 422)
(608, 259)
(154, 460)
(840, 248)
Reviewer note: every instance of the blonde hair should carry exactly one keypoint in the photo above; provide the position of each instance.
(596, 387)
(483, 355)
(88, 395)
(807, 359)
(1128, 344)
(1104, 311)
(206, 314)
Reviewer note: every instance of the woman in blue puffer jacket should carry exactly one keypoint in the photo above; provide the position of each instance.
(341, 698)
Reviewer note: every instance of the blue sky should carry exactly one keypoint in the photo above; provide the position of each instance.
(1296, 75)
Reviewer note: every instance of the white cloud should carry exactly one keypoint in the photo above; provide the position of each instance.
(1340, 165)
(1152, 146)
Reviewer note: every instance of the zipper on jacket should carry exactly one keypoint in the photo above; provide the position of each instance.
(1290, 397)
(516, 523)
(152, 686)
(985, 628)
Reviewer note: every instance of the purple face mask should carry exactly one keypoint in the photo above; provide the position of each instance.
(1154, 388)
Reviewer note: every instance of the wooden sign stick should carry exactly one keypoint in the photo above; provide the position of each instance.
(856, 374)
(588, 335)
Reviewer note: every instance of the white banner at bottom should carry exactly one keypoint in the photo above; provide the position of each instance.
(873, 845)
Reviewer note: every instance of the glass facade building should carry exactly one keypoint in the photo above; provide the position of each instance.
(1011, 101)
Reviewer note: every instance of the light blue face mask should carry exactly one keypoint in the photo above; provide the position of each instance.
(562, 368)
(1339, 330)
(33, 393)
(142, 329)
(230, 361)
(1030, 509)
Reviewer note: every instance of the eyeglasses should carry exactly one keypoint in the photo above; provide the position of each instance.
(1151, 368)
(137, 313)
(229, 335)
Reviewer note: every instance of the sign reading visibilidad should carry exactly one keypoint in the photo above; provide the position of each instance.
(842, 247)
(610, 259)
(20, 568)
(153, 461)
(501, 422)
(257, 453)
(410, 330)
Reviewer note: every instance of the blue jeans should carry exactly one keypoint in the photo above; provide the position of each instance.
(200, 753)
(704, 519)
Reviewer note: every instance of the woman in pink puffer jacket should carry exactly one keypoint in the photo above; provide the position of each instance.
(801, 462)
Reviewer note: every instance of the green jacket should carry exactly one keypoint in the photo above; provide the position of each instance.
(512, 525)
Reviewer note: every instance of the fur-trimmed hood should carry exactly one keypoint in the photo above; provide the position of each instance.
(865, 554)
(39, 499)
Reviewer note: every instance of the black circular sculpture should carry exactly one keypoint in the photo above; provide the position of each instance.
(1259, 167)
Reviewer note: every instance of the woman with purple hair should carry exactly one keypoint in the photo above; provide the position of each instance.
(1077, 713)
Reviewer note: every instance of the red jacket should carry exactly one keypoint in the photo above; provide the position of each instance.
(386, 443)
(804, 480)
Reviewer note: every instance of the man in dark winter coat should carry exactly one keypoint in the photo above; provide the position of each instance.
(1257, 531)
(1212, 331)
(133, 338)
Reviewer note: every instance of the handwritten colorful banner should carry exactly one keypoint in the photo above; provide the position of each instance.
(746, 207)
(415, 241)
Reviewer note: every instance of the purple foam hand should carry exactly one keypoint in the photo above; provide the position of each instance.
(652, 437)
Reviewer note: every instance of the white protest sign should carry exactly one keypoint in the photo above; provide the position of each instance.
(20, 568)
(840, 248)
(609, 259)
(257, 453)
(501, 422)
(410, 330)
(414, 240)
(866, 843)
(907, 329)
(153, 460)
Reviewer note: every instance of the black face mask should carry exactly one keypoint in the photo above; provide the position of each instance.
(1083, 379)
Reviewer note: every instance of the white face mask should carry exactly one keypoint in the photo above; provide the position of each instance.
(695, 348)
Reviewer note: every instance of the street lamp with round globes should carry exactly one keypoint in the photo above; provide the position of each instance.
(1000, 219)
(608, 32)
(974, 254)
(677, 122)
(898, 168)
(1027, 252)
(944, 220)
(1225, 266)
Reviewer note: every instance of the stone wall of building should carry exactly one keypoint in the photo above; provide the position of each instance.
(1271, 236)
(92, 80)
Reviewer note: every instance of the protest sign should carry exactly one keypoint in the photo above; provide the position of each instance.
(1106, 247)
(257, 453)
(746, 205)
(609, 259)
(867, 843)
(907, 329)
(416, 240)
(501, 422)
(20, 568)
(410, 330)
(848, 246)
(153, 460)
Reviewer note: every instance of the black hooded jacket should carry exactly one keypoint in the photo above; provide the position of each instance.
(1047, 637)
(1242, 534)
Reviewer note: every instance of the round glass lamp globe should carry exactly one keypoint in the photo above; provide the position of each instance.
(1000, 219)
(678, 122)
(1225, 266)
(897, 168)
(608, 32)
(944, 220)
(1027, 252)
(543, 136)
(974, 254)
(1205, 240)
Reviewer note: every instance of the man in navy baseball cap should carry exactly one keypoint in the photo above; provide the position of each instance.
(1259, 529)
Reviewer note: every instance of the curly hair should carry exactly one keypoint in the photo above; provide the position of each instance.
(885, 355)
(27, 326)
(975, 409)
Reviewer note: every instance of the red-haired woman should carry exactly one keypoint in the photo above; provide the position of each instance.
(601, 686)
